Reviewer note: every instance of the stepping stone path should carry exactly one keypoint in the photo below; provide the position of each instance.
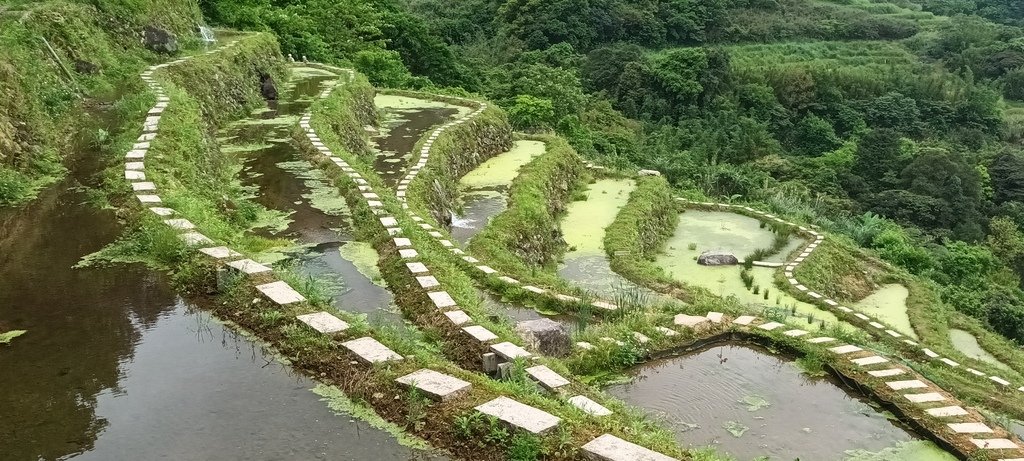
(280, 293)
(323, 322)
(519, 415)
(370, 350)
(589, 406)
(437, 386)
(611, 448)
(546, 377)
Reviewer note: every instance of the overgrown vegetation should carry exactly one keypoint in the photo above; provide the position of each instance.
(640, 230)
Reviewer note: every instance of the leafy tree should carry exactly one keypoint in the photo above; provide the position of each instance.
(894, 111)
(383, 67)
(879, 157)
(1013, 84)
(1007, 173)
(530, 112)
(815, 136)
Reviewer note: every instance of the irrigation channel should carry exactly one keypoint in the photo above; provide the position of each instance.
(115, 365)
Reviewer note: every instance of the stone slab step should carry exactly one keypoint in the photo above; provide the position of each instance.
(611, 448)
(689, 320)
(437, 386)
(324, 322)
(945, 412)
(995, 444)
(820, 340)
(547, 377)
(744, 319)
(248, 266)
(280, 292)
(441, 299)
(771, 326)
(886, 373)
(589, 406)
(847, 349)
(872, 360)
(220, 252)
(908, 384)
(925, 397)
(370, 350)
(970, 428)
(509, 351)
(480, 333)
(458, 317)
(519, 415)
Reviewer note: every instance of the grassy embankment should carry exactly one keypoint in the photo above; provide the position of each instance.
(43, 98)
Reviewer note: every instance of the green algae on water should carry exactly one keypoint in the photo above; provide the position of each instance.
(736, 429)
(242, 148)
(391, 102)
(889, 304)
(754, 402)
(917, 450)
(585, 221)
(501, 170)
(365, 258)
(7, 336)
(968, 345)
(338, 402)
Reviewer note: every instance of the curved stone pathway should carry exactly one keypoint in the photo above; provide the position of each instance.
(876, 326)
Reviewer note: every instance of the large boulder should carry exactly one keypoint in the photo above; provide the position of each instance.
(267, 87)
(717, 258)
(159, 40)
(545, 336)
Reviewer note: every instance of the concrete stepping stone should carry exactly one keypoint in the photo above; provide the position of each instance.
(435, 385)
(508, 280)
(417, 268)
(945, 412)
(861, 316)
(999, 380)
(970, 428)
(408, 253)
(585, 345)
(771, 326)
(470, 259)
(220, 252)
(441, 299)
(715, 316)
(138, 166)
(533, 289)
(641, 338)
(195, 239)
(995, 444)
(161, 211)
(689, 320)
(180, 224)
(519, 415)
(389, 222)
(821, 339)
(949, 362)
(604, 305)
(929, 353)
(509, 351)
(280, 292)
(794, 333)
(847, 349)
(744, 319)
(611, 448)
(402, 242)
(546, 377)
(589, 406)
(324, 322)
(886, 373)
(428, 281)
(370, 350)
(149, 198)
(666, 331)
(458, 317)
(925, 397)
(134, 175)
(872, 360)
(248, 266)
(908, 384)
(480, 333)
(486, 269)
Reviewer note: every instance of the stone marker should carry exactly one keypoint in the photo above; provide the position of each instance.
(519, 415)
(995, 444)
(925, 398)
(509, 351)
(547, 377)
(690, 321)
(944, 412)
(545, 336)
(435, 385)
(458, 317)
(280, 292)
(480, 333)
(908, 384)
(441, 299)
(589, 406)
(248, 266)
(970, 428)
(324, 322)
(611, 448)
(370, 350)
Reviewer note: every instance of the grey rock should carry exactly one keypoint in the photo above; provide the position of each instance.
(159, 40)
(545, 336)
(717, 258)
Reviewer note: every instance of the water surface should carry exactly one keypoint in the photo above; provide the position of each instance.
(968, 345)
(889, 304)
(405, 120)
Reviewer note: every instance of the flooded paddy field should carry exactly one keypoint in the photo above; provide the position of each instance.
(747, 402)
(405, 120)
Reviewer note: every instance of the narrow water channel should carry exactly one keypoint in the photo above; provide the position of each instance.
(748, 403)
(405, 121)
(116, 366)
(317, 216)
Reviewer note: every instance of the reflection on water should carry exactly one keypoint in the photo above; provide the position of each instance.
(406, 120)
(318, 216)
(749, 403)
